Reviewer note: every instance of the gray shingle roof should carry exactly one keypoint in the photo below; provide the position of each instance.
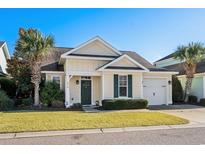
(138, 58)
(166, 57)
(51, 61)
(54, 55)
(179, 67)
(52, 67)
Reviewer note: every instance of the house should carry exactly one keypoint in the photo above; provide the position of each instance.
(4, 55)
(95, 70)
(198, 84)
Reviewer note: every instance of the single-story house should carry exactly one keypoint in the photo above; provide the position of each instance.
(198, 84)
(4, 55)
(95, 70)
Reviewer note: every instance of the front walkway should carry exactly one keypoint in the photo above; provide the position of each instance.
(90, 109)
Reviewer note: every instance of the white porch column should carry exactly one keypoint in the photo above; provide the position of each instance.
(67, 91)
(141, 86)
(102, 82)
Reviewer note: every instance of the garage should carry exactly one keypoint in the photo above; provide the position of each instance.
(155, 90)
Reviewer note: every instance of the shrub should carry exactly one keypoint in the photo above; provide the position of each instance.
(8, 85)
(5, 102)
(119, 104)
(202, 101)
(177, 91)
(192, 99)
(50, 93)
(24, 102)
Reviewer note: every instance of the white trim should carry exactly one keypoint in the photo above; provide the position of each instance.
(153, 77)
(119, 58)
(6, 52)
(197, 74)
(81, 73)
(87, 57)
(90, 41)
(55, 72)
(164, 72)
(121, 70)
(102, 78)
(67, 90)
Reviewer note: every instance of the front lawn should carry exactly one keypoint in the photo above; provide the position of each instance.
(61, 120)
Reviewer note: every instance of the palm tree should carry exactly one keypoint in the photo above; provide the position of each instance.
(189, 55)
(32, 46)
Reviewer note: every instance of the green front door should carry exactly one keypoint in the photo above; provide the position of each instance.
(86, 92)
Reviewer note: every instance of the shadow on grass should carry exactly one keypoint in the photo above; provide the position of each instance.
(175, 107)
(37, 109)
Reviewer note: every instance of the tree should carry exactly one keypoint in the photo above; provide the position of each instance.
(189, 55)
(20, 71)
(32, 47)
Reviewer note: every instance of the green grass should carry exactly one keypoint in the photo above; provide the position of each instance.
(61, 120)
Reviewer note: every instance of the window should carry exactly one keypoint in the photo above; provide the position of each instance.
(85, 77)
(56, 79)
(122, 85)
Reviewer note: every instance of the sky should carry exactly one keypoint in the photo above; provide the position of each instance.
(152, 33)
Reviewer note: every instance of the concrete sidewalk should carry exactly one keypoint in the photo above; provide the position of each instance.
(96, 131)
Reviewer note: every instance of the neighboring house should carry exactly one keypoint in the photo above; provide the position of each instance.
(198, 84)
(4, 55)
(95, 70)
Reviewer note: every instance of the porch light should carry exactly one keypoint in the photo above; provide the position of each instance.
(77, 82)
(169, 82)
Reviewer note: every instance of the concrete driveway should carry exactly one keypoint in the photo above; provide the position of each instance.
(195, 114)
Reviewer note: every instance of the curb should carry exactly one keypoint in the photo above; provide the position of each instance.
(96, 131)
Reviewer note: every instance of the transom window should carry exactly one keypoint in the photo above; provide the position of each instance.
(56, 79)
(85, 77)
(122, 85)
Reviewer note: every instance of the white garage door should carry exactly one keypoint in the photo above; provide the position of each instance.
(155, 91)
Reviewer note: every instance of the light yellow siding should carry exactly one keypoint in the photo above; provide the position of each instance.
(81, 66)
(108, 85)
(75, 90)
(124, 63)
(96, 85)
(96, 48)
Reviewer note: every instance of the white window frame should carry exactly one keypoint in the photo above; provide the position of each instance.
(120, 86)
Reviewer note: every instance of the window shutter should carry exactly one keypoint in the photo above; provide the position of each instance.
(129, 85)
(115, 85)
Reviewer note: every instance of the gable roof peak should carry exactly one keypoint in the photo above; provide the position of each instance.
(90, 41)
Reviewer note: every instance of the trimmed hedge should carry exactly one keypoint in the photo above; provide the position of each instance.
(193, 99)
(120, 104)
(5, 102)
(202, 101)
(24, 102)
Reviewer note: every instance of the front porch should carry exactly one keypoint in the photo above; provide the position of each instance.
(86, 90)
